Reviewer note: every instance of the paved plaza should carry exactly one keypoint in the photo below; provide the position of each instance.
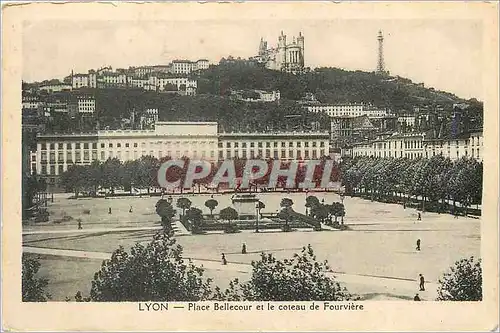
(376, 258)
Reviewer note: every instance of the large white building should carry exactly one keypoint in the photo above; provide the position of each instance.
(347, 110)
(196, 140)
(86, 105)
(283, 145)
(187, 66)
(416, 145)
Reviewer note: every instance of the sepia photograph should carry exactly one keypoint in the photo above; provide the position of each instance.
(183, 161)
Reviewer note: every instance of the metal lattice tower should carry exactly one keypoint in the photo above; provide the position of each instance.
(380, 64)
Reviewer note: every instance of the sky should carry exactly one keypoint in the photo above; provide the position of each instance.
(444, 54)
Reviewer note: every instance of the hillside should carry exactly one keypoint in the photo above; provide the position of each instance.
(330, 85)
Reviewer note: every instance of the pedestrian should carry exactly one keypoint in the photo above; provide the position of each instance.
(109, 210)
(130, 210)
(404, 205)
(418, 244)
(80, 225)
(416, 298)
(419, 217)
(422, 282)
(224, 261)
(244, 249)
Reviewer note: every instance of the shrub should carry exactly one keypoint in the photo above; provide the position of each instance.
(464, 282)
(301, 278)
(151, 272)
(231, 228)
(33, 288)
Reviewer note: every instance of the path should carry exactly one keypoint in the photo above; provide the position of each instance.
(405, 284)
(90, 230)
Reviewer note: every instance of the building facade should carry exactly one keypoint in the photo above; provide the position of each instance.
(348, 110)
(285, 146)
(417, 145)
(196, 140)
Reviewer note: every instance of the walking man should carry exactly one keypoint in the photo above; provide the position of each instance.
(130, 210)
(419, 218)
(418, 244)
(109, 210)
(224, 261)
(244, 249)
(80, 225)
(422, 282)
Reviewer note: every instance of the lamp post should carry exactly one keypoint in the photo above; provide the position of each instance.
(257, 207)
(343, 208)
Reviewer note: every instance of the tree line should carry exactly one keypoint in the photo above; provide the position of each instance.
(432, 181)
(114, 174)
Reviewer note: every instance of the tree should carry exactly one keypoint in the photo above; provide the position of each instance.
(112, 174)
(165, 210)
(73, 179)
(229, 214)
(195, 216)
(33, 288)
(152, 272)
(286, 211)
(311, 202)
(464, 282)
(211, 204)
(300, 278)
(184, 204)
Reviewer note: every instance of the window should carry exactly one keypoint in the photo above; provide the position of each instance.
(283, 153)
(283, 144)
(299, 144)
(228, 144)
(221, 155)
(236, 145)
(110, 145)
(94, 145)
(118, 145)
(306, 154)
(259, 145)
(252, 144)
(44, 169)
(259, 153)
(44, 146)
(85, 145)
(268, 153)
(268, 144)
(290, 153)
(52, 156)
(322, 152)
(244, 145)
(275, 144)
(102, 155)
(52, 169)
(290, 144)
(102, 145)
(86, 156)
(77, 145)
(52, 146)
(314, 144)
(306, 144)
(135, 144)
(220, 144)
(60, 156)
(60, 169)
(68, 146)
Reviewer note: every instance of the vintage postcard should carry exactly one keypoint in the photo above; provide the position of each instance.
(255, 166)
